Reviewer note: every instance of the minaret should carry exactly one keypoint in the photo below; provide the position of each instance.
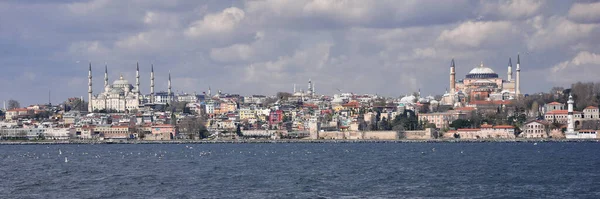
(169, 89)
(309, 90)
(137, 80)
(452, 80)
(90, 109)
(518, 82)
(294, 88)
(509, 70)
(152, 83)
(105, 76)
(570, 122)
(209, 92)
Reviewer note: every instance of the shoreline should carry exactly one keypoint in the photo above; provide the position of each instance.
(92, 142)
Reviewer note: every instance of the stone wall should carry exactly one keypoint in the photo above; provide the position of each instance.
(380, 135)
(419, 135)
(358, 135)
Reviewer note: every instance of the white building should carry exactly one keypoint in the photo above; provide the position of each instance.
(120, 95)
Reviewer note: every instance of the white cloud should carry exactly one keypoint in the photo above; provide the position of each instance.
(233, 53)
(219, 23)
(511, 9)
(557, 31)
(474, 34)
(583, 67)
(585, 12)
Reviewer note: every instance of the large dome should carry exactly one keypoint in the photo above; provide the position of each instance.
(121, 82)
(482, 72)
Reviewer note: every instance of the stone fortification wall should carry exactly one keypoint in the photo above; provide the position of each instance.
(419, 135)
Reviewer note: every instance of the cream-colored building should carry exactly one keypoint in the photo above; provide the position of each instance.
(442, 120)
(535, 129)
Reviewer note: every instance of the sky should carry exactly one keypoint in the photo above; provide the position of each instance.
(386, 47)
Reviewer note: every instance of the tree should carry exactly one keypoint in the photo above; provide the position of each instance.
(238, 131)
(408, 120)
(461, 124)
(193, 127)
(430, 125)
(535, 106)
(283, 96)
(384, 125)
(13, 104)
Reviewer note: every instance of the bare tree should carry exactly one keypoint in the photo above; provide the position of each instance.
(193, 127)
(13, 104)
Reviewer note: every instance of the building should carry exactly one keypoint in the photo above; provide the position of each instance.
(485, 132)
(121, 95)
(482, 83)
(553, 106)
(536, 129)
(591, 113)
(15, 113)
(442, 120)
(562, 116)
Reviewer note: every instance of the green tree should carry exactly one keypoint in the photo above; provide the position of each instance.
(430, 125)
(461, 124)
(238, 131)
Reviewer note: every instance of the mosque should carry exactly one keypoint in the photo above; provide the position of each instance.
(482, 84)
(121, 95)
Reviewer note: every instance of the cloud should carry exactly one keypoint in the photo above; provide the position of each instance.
(220, 23)
(558, 31)
(475, 33)
(583, 67)
(387, 47)
(510, 9)
(233, 53)
(585, 12)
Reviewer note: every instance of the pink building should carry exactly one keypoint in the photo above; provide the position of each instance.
(163, 132)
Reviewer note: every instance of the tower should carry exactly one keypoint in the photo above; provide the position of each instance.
(105, 76)
(309, 91)
(152, 83)
(509, 70)
(137, 80)
(294, 88)
(570, 122)
(169, 89)
(90, 89)
(452, 80)
(518, 82)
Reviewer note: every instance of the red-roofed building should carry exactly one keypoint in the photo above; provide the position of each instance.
(536, 129)
(14, 113)
(560, 116)
(591, 113)
(553, 106)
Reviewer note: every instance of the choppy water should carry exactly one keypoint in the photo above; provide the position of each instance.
(392, 170)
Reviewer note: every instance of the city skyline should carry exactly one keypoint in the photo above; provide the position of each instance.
(385, 47)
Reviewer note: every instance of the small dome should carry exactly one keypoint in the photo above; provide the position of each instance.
(408, 99)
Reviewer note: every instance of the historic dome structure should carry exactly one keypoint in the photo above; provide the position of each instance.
(121, 83)
(482, 72)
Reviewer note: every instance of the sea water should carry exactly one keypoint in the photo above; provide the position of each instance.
(301, 170)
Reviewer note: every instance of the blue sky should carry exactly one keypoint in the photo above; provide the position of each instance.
(386, 47)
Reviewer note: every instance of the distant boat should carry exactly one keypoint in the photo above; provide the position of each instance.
(66, 159)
